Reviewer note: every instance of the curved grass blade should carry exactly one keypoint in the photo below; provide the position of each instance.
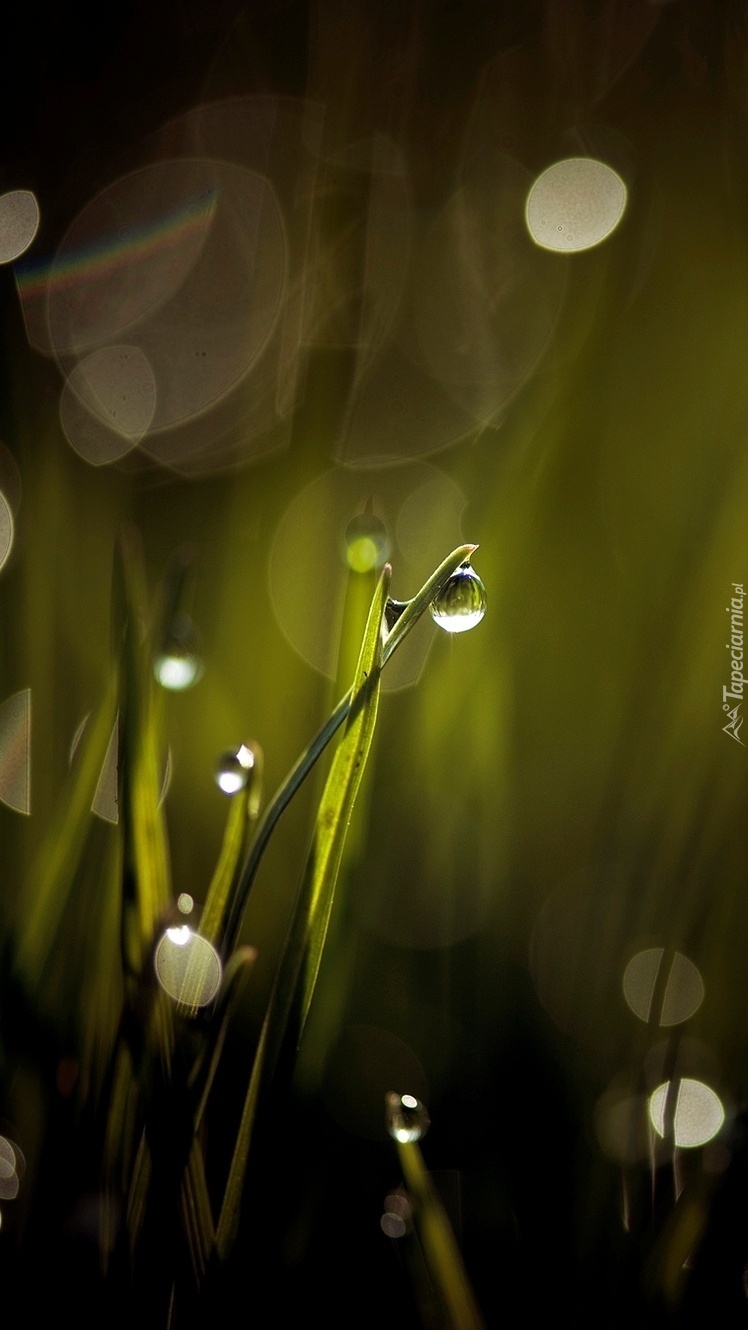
(304, 764)
(440, 1250)
(297, 974)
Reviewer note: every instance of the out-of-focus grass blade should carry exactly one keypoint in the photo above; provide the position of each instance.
(56, 871)
(297, 974)
(338, 799)
(237, 970)
(147, 875)
(228, 1222)
(438, 1242)
(197, 1215)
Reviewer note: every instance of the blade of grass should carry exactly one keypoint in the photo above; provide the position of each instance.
(438, 1241)
(56, 871)
(147, 874)
(304, 764)
(297, 974)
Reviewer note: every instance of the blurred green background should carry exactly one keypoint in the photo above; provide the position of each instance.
(549, 795)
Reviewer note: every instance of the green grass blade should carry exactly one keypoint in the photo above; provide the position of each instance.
(304, 764)
(228, 1222)
(438, 1242)
(197, 1216)
(147, 874)
(421, 601)
(297, 974)
(54, 875)
(338, 798)
(243, 811)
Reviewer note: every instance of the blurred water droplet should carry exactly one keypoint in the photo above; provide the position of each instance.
(461, 603)
(15, 751)
(682, 992)
(19, 223)
(366, 541)
(393, 1226)
(178, 665)
(406, 1117)
(188, 967)
(698, 1114)
(233, 768)
(185, 902)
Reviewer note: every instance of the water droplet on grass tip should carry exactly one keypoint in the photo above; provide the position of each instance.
(366, 541)
(406, 1117)
(233, 769)
(461, 603)
(178, 664)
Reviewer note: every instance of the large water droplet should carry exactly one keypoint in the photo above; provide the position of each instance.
(461, 603)
(406, 1117)
(178, 665)
(188, 967)
(233, 769)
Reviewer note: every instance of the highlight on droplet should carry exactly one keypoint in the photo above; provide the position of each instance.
(15, 751)
(698, 1114)
(19, 223)
(575, 204)
(406, 1117)
(178, 664)
(233, 769)
(680, 996)
(187, 966)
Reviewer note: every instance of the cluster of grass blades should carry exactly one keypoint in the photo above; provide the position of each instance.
(150, 1054)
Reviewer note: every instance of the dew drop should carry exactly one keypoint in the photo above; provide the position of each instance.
(406, 1117)
(178, 665)
(366, 542)
(461, 603)
(233, 769)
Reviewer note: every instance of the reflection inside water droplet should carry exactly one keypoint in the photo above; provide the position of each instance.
(461, 603)
(233, 769)
(406, 1117)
